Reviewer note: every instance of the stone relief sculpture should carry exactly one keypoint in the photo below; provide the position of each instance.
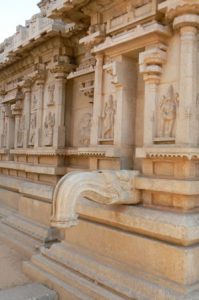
(33, 120)
(108, 118)
(105, 187)
(51, 91)
(20, 133)
(85, 129)
(49, 129)
(168, 111)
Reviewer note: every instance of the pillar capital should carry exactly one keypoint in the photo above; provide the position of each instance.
(176, 8)
(188, 21)
(151, 61)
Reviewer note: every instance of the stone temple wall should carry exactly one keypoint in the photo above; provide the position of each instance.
(99, 147)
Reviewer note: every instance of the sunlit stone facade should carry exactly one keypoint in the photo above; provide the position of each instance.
(99, 148)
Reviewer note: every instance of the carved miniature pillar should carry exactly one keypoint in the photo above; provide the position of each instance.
(151, 62)
(27, 103)
(40, 95)
(187, 131)
(97, 100)
(60, 95)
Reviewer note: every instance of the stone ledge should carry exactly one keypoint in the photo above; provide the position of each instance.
(29, 168)
(173, 227)
(35, 190)
(167, 152)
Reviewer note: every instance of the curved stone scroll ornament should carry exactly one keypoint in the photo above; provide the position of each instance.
(105, 187)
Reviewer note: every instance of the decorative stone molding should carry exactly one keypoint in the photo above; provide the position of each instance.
(105, 187)
(35, 28)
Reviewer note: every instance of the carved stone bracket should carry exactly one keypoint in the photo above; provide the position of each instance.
(104, 187)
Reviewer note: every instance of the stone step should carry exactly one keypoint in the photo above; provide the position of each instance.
(32, 291)
(21, 242)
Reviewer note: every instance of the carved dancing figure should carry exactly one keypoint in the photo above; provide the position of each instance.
(168, 108)
(49, 129)
(109, 118)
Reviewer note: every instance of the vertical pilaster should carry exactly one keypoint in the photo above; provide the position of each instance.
(187, 131)
(27, 104)
(151, 62)
(40, 100)
(60, 99)
(97, 99)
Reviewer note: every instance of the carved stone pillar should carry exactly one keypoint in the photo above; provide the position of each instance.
(40, 96)
(60, 97)
(187, 131)
(97, 99)
(151, 62)
(18, 132)
(27, 103)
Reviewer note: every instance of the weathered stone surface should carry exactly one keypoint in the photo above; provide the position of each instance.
(100, 121)
(28, 292)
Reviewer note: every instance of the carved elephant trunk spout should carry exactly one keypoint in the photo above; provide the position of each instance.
(105, 187)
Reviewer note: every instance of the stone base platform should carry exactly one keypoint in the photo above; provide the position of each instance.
(146, 258)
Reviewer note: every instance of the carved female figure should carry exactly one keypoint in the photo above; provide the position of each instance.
(109, 118)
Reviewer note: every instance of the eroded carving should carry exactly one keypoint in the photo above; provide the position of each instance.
(20, 132)
(85, 129)
(108, 118)
(51, 91)
(49, 129)
(104, 187)
(33, 120)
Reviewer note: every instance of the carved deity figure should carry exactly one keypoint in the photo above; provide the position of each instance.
(31, 141)
(20, 132)
(49, 129)
(51, 91)
(85, 129)
(109, 118)
(168, 109)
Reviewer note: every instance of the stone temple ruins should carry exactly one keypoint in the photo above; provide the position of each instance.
(99, 148)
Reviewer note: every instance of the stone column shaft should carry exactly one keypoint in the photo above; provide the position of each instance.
(97, 100)
(187, 132)
(27, 103)
(60, 98)
(39, 125)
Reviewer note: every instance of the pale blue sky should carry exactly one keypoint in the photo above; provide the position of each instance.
(13, 13)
